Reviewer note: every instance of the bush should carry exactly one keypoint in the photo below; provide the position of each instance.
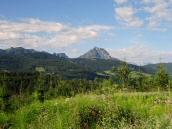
(89, 117)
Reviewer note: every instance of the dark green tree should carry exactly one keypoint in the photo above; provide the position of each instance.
(140, 81)
(162, 77)
(41, 87)
(114, 78)
(123, 73)
(5, 93)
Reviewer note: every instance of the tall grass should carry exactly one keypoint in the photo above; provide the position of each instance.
(91, 111)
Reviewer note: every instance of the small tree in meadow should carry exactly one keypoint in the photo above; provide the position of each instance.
(123, 72)
(162, 77)
(136, 81)
(114, 78)
(40, 85)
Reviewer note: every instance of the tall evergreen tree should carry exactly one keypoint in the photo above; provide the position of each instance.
(123, 72)
(41, 86)
(162, 77)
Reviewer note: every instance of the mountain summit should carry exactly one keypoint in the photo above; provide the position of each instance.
(96, 53)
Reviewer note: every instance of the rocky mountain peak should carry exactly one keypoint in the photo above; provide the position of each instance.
(96, 53)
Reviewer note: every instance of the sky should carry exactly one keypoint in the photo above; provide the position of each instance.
(139, 31)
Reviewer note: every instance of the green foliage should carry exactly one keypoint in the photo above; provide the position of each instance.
(116, 116)
(41, 87)
(162, 77)
(100, 103)
(90, 116)
(141, 82)
(4, 120)
(123, 73)
(119, 110)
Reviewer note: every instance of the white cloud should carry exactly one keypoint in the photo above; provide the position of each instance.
(30, 25)
(120, 1)
(8, 35)
(35, 33)
(73, 52)
(141, 54)
(151, 13)
(127, 16)
(160, 11)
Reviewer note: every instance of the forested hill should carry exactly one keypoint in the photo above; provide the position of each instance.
(153, 67)
(27, 60)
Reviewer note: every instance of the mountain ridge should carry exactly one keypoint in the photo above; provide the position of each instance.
(20, 51)
(26, 60)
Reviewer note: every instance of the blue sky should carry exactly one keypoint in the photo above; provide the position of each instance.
(140, 31)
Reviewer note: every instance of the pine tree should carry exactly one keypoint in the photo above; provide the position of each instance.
(162, 77)
(40, 87)
(5, 95)
(123, 72)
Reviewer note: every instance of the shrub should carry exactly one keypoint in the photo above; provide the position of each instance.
(89, 117)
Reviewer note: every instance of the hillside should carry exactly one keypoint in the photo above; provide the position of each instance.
(153, 67)
(86, 66)
(103, 65)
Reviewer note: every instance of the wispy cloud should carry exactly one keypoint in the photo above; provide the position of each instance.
(154, 14)
(36, 33)
(127, 16)
(141, 54)
(120, 2)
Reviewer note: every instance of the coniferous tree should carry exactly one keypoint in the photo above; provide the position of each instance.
(5, 95)
(140, 80)
(123, 72)
(162, 77)
(41, 87)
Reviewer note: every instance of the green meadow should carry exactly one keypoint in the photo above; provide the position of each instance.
(137, 110)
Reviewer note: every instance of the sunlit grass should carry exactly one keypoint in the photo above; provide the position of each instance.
(117, 110)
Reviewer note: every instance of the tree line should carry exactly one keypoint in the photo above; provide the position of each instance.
(18, 89)
(141, 81)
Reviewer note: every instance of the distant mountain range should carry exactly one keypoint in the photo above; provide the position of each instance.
(19, 51)
(86, 66)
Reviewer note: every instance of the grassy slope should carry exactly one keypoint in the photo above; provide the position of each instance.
(119, 110)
